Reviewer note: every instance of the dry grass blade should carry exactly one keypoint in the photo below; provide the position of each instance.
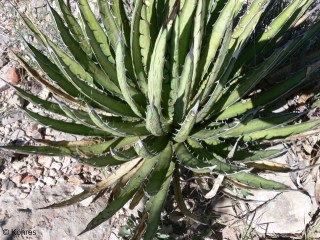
(217, 183)
(109, 181)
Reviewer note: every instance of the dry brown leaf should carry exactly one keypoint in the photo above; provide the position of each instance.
(63, 143)
(141, 227)
(269, 165)
(137, 198)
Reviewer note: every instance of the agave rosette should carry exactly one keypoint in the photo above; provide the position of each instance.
(172, 88)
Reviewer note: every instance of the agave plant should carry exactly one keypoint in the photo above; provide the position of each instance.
(183, 85)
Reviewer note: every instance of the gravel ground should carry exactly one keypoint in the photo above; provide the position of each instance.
(28, 183)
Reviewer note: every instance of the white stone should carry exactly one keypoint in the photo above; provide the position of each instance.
(45, 161)
(39, 184)
(66, 163)
(18, 133)
(16, 100)
(287, 213)
(4, 78)
(77, 190)
(86, 202)
(61, 180)
(12, 118)
(56, 165)
(49, 181)
(17, 165)
(52, 173)
(3, 85)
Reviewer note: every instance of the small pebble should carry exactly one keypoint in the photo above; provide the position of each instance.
(16, 179)
(18, 133)
(25, 185)
(57, 158)
(75, 180)
(39, 184)
(52, 173)
(2, 62)
(37, 135)
(56, 165)
(24, 195)
(16, 100)
(86, 202)
(76, 169)
(49, 181)
(87, 168)
(29, 179)
(37, 171)
(45, 161)
(61, 180)
(15, 77)
(66, 162)
(26, 190)
(17, 165)
(11, 75)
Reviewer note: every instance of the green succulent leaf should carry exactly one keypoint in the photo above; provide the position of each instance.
(92, 149)
(221, 25)
(175, 67)
(69, 92)
(125, 195)
(136, 51)
(156, 69)
(268, 97)
(93, 26)
(123, 82)
(185, 29)
(109, 22)
(116, 128)
(151, 146)
(161, 170)
(87, 64)
(47, 105)
(187, 124)
(197, 165)
(281, 132)
(121, 19)
(75, 28)
(255, 181)
(155, 204)
(41, 150)
(184, 89)
(153, 121)
(67, 127)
